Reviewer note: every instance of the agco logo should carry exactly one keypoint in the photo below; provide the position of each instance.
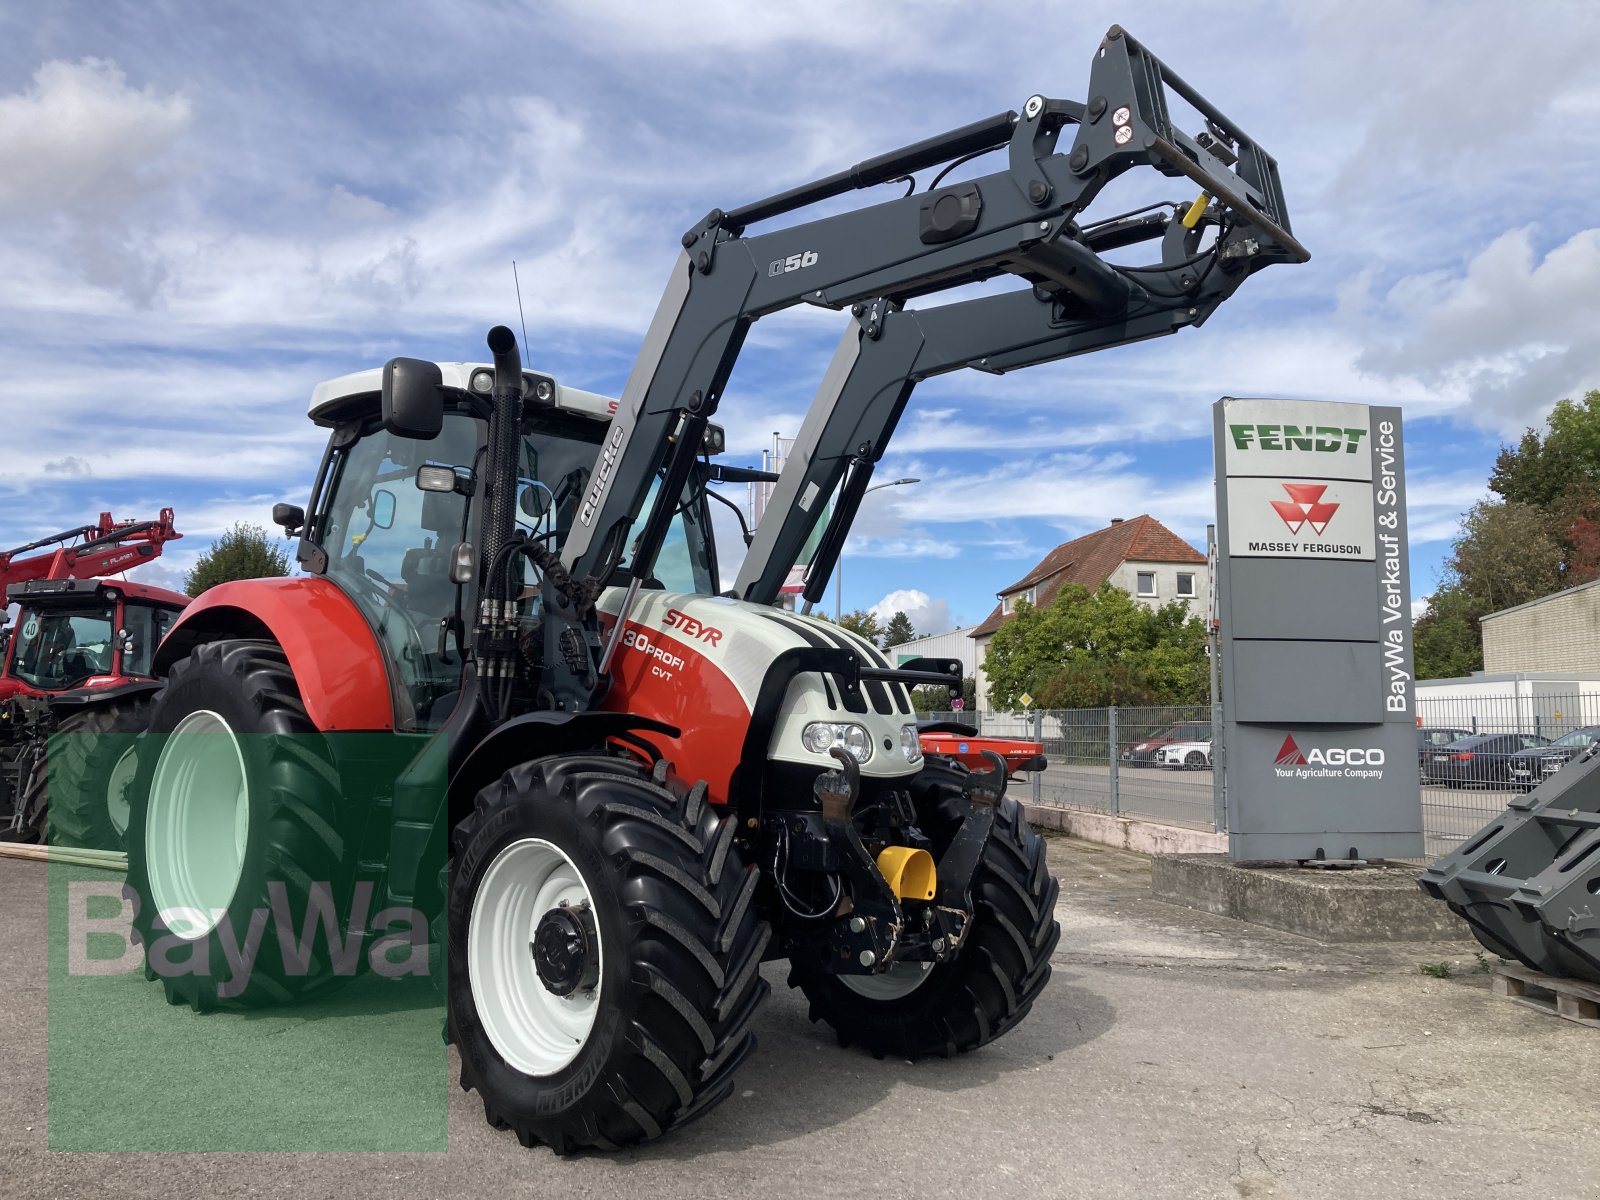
(1319, 439)
(1290, 755)
(690, 627)
(1305, 506)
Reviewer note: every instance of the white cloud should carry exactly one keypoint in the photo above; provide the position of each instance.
(928, 615)
(81, 141)
(1512, 333)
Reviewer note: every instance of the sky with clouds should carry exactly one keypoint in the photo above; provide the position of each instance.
(206, 209)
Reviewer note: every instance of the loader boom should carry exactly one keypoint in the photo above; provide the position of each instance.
(108, 548)
(1025, 221)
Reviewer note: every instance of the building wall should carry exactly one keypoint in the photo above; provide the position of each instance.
(1558, 633)
(955, 644)
(980, 648)
(1126, 577)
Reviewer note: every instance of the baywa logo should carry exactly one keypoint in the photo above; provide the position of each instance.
(1357, 762)
(1305, 506)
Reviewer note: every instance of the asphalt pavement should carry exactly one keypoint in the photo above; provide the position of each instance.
(1173, 1054)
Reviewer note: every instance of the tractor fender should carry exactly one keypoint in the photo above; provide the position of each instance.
(83, 699)
(533, 735)
(539, 735)
(332, 651)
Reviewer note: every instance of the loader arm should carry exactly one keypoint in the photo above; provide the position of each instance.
(1025, 220)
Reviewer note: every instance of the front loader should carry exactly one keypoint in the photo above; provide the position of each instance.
(646, 782)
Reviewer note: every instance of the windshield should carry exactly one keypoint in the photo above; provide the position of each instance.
(558, 454)
(146, 627)
(1577, 739)
(59, 650)
(389, 543)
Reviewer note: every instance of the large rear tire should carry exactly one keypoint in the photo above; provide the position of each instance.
(604, 954)
(84, 790)
(235, 822)
(992, 983)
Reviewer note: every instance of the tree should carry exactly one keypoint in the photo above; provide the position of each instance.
(864, 623)
(931, 698)
(1506, 554)
(1558, 473)
(244, 552)
(898, 631)
(1090, 649)
(1446, 639)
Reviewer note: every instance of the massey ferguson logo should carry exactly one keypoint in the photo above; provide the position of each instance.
(690, 627)
(1353, 762)
(1305, 506)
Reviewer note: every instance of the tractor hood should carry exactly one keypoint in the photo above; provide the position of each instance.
(742, 680)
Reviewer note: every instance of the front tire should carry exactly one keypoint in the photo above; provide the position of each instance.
(235, 822)
(623, 1012)
(84, 790)
(991, 985)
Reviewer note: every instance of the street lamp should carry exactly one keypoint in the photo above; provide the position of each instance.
(838, 580)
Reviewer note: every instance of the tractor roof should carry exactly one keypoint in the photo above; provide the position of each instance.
(51, 592)
(333, 400)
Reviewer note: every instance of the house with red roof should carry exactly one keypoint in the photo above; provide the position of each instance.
(1140, 555)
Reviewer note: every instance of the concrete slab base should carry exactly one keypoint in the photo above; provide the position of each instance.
(1125, 833)
(1378, 904)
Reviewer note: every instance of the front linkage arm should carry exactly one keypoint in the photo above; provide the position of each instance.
(1021, 221)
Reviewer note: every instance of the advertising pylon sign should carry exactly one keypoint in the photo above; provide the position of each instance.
(1313, 600)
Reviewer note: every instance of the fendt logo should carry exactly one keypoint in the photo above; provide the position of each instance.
(1318, 439)
(1335, 760)
(690, 627)
(1305, 506)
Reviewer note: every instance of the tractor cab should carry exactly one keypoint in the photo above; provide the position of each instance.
(74, 634)
(396, 518)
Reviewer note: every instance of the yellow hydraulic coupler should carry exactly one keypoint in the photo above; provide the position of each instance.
(909, 873)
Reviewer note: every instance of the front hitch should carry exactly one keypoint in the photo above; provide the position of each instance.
(866, 934)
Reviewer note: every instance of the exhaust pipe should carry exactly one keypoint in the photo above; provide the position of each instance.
(497, 610)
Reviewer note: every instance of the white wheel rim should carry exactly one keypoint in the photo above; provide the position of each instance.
(197, 824)
(534, 1030)
(117, 790)
(901, 979)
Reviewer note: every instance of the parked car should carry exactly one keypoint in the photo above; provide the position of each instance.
(1142, 753)
(1483, 758)
(1532, 767)
(1188, 756)
(1431, 739)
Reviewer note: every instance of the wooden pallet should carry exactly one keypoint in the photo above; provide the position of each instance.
(1570, 998)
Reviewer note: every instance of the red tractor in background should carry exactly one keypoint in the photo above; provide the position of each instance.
(77, 660)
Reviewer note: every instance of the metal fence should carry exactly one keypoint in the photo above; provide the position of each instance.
(1106, 760)
(1454, 809)
(1103, 759)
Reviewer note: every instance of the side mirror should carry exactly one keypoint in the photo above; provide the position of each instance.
(383, 508)
(291, 516)
(413, 406)
(535, 500)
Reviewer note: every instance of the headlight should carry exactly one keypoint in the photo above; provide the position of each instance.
(821, 736)
(910, 743)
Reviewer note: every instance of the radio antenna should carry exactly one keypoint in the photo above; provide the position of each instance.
(520, 317)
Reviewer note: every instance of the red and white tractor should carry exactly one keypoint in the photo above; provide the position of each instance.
(625, 782)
